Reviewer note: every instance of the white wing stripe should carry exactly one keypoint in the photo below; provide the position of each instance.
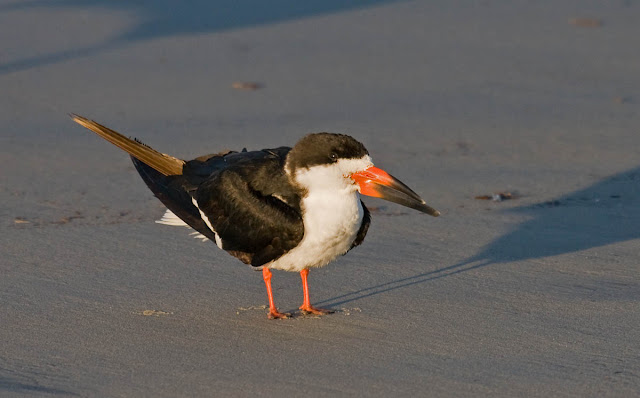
(206, 220)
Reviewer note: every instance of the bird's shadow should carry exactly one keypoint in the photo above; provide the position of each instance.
(604, 213)
(163, 18)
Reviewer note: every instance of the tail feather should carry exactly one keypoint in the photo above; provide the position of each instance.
(165, 164)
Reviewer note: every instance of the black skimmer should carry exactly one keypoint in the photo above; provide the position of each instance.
(284, 208)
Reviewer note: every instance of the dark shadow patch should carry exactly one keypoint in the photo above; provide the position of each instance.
(162, 18)
(15, 386)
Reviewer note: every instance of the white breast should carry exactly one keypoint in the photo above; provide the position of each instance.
(331, 224)
(332, 216)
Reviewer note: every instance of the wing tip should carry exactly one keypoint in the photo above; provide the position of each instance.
(75, 117)
(83, 121)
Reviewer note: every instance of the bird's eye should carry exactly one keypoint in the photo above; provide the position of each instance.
(333, 157)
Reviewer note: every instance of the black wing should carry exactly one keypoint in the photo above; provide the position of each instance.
(173, 192)
(249, 202)
(362, 232)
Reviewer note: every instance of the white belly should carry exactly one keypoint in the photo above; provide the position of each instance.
(331, 223)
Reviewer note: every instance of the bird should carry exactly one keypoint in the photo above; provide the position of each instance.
(285, 208)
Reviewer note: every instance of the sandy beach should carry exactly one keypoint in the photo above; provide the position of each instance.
(537, 295)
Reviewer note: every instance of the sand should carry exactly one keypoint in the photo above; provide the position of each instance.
(533, 296)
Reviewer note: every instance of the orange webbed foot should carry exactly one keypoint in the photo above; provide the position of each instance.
(275, 314)
(309, 309)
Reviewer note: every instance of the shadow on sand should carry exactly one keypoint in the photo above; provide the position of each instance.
(161, 18)
(604, 213)
(13, 386)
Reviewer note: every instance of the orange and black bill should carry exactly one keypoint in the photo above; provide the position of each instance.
(379, 184)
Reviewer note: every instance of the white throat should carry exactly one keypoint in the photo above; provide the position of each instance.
(332, 214)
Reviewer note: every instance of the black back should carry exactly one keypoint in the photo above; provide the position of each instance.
(251, 204)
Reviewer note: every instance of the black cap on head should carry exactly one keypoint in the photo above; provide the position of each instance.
(324, 148)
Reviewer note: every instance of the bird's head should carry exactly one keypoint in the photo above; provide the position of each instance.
(325, 161)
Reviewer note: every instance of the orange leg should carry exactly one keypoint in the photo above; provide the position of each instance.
(306, 304)
(273, 311)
